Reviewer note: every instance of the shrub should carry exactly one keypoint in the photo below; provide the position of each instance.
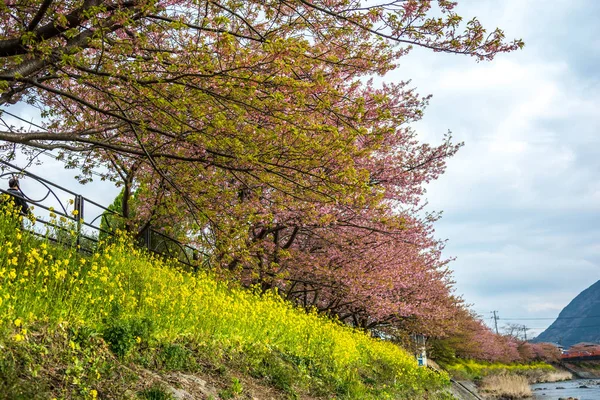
(175, 357)
(155, 392)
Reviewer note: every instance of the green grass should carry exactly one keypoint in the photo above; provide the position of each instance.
(475, 370)
(71, 323)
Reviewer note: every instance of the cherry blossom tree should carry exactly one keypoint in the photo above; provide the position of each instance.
(466, 336)
(254, 127)
(261, 91)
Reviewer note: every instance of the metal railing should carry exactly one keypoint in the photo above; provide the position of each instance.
(61, 224)
(592, 354)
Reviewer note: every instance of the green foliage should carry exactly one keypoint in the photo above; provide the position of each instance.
(594, 365)
(155, 392)
(175, 357)
(111, 221)
(122, 335)
(59, 363)
(13, 383)
(119, 339)
(280, 372)
(232, 391)
(443, 350)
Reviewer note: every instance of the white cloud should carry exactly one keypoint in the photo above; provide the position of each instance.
(545, 306)
(101, 192)
(521, 200)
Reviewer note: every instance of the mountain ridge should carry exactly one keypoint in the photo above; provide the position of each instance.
(578, 322)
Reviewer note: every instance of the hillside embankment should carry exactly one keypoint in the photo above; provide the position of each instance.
(122, 324)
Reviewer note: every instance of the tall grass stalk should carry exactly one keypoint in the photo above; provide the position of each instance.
(506, 386)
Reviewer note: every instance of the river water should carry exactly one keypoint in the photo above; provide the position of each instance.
(574, 388)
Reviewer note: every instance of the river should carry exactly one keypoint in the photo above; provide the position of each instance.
(574, 388)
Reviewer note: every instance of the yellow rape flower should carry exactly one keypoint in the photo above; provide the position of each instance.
(61, 274)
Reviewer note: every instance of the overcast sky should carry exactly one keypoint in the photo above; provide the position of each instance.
(521, 200)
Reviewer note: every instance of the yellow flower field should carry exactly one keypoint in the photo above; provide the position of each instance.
(119, 290)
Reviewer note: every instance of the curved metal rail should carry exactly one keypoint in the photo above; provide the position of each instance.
(57, 201)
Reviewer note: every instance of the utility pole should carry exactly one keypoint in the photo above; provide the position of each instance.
(525, 329)
(495, 320)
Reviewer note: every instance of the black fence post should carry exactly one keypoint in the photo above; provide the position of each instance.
(195, 258)
(148, 237)
(78, 215)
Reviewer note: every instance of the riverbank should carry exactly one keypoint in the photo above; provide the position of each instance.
(581, 389)
(474, 381)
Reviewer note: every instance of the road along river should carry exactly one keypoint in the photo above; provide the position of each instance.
(582, 389)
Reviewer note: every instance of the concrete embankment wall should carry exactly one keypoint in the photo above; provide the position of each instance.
(583, 369)
(461, 390)
(464, 390)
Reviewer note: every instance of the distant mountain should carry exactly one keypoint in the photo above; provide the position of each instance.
(577, 322)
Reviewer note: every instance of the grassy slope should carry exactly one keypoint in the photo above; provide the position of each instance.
(475, 370)
(75, 326)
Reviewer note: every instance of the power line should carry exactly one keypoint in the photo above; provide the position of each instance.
(22, 119)
(544, 318)
(541, 318)
(575, 327)
(98, 174)
(45, 129)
